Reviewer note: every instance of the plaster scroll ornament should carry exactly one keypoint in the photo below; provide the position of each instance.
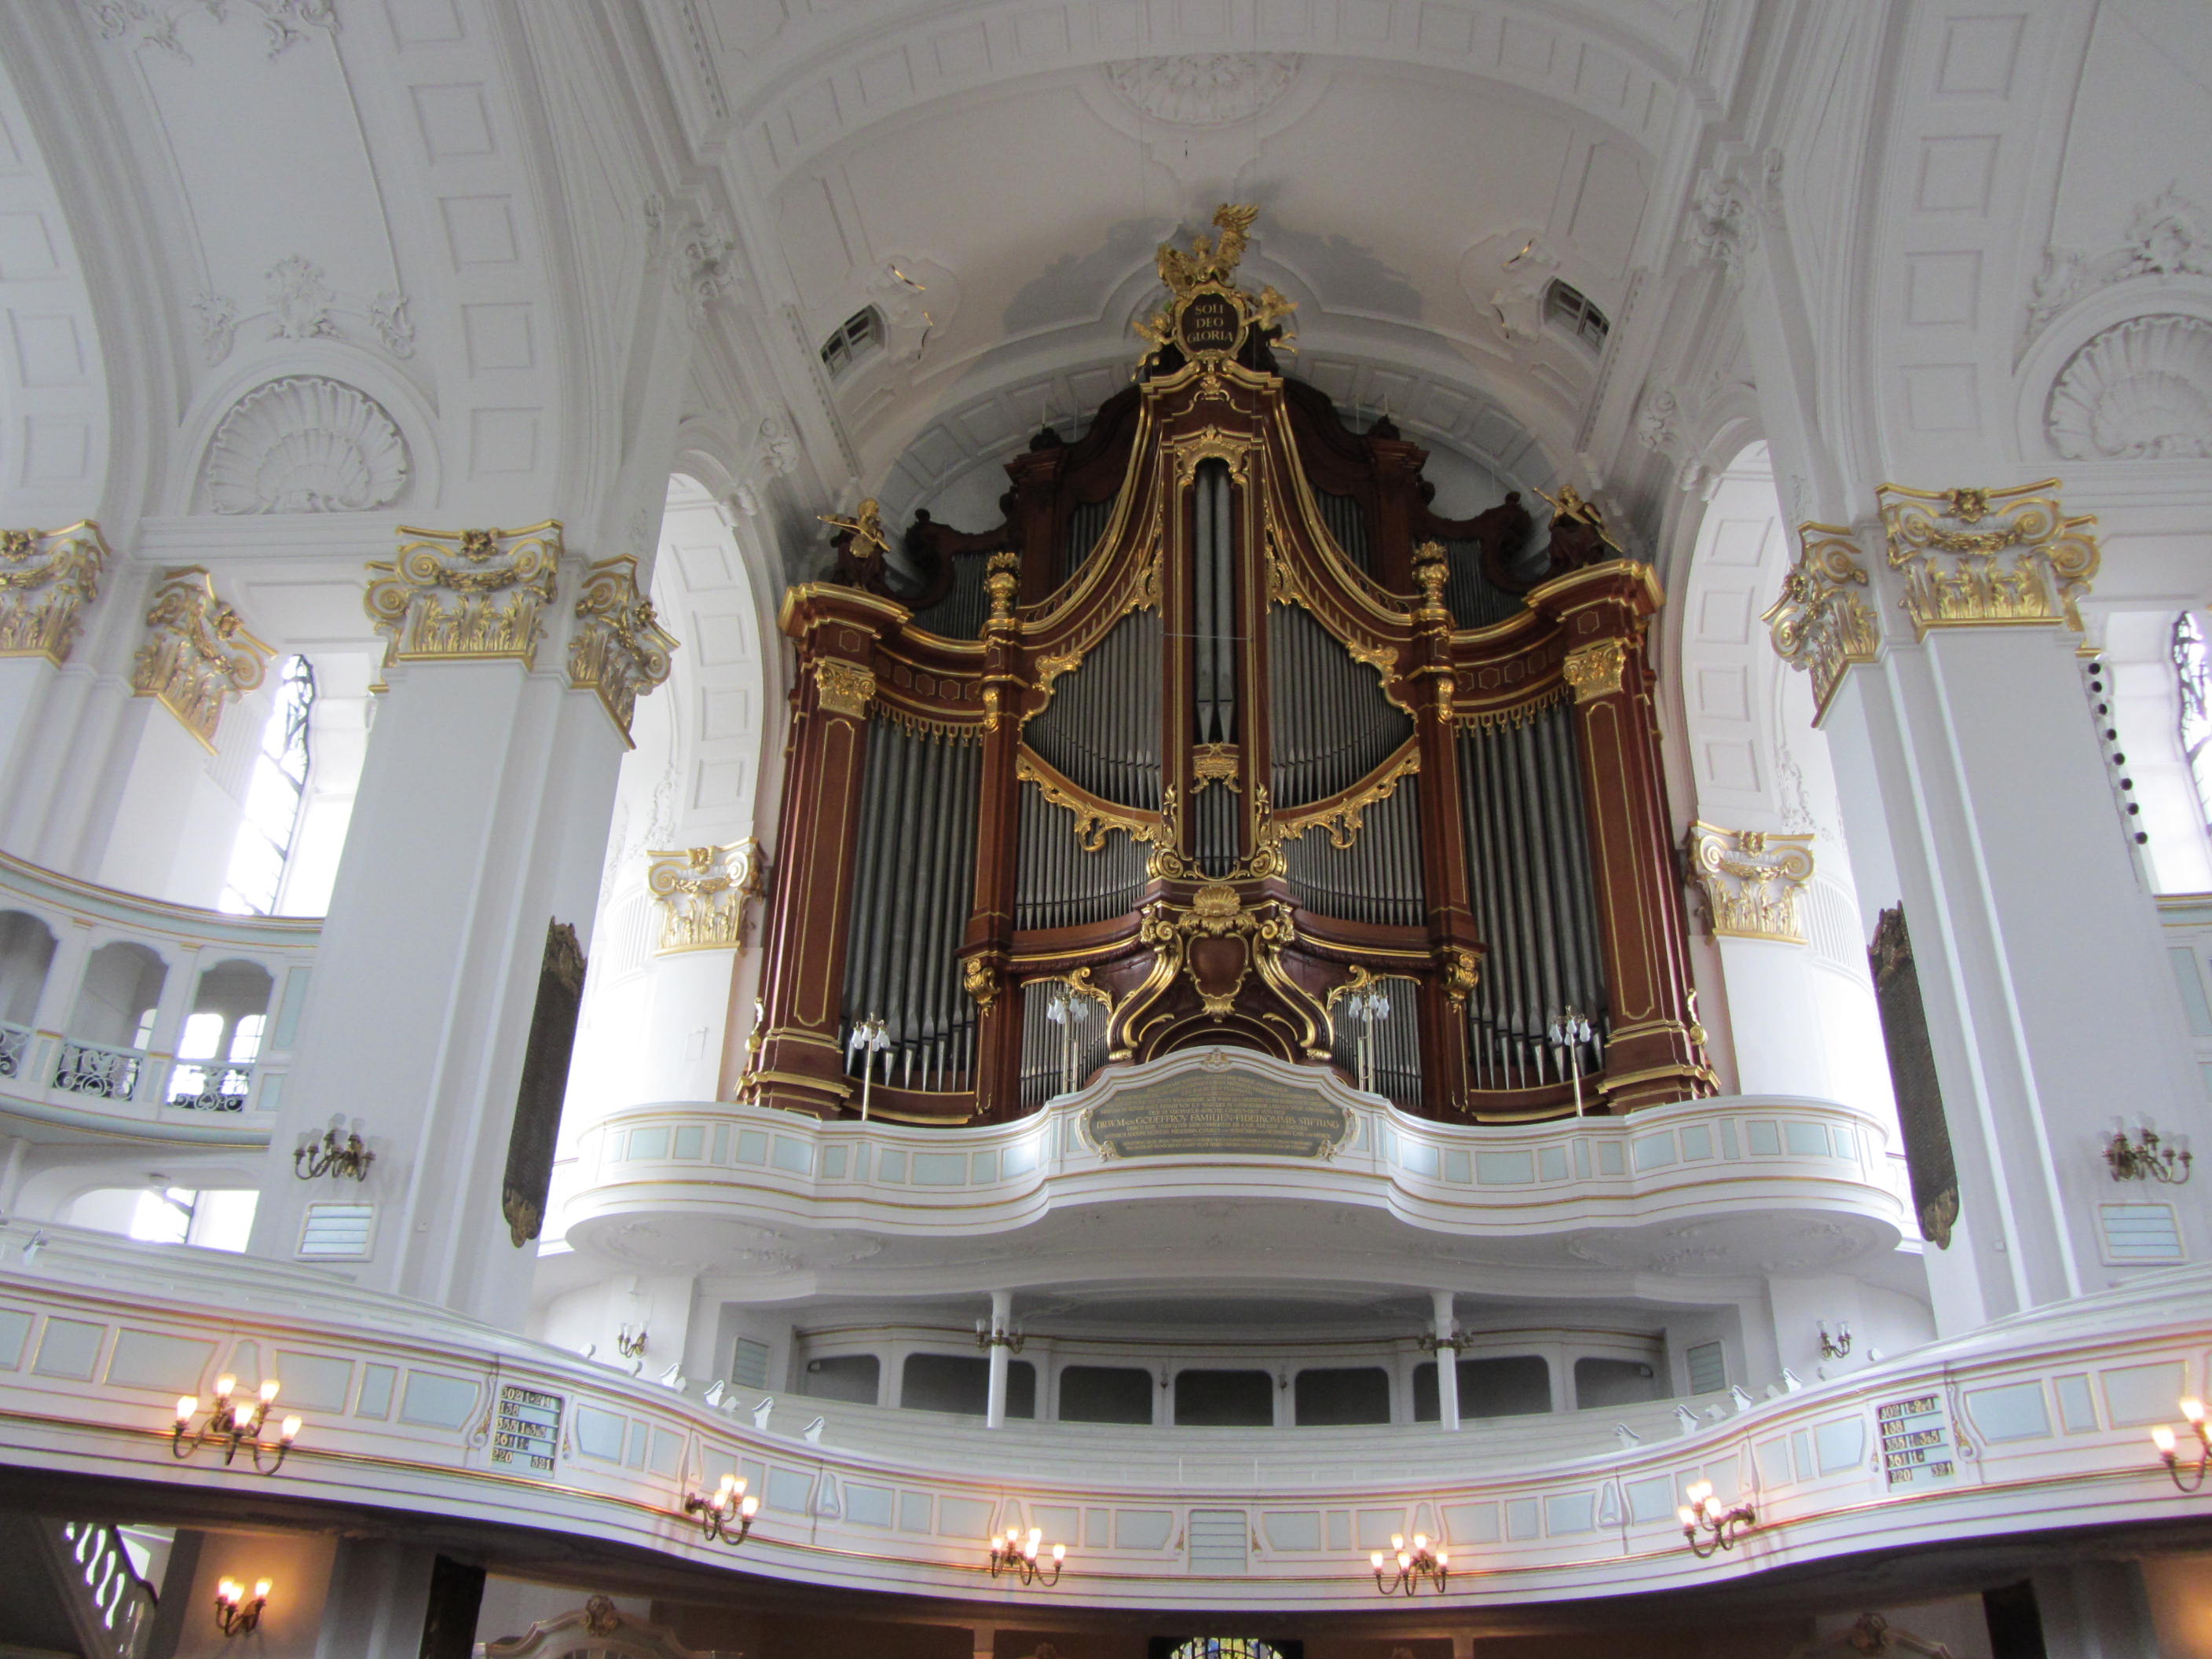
(779, 446)
(2169, 236)
(395, 326)
(1204, 89)
(300, 300)
(1722, 224)
(305, 444)
(214, 317)
(198, 657)
(1655, 428)
(2139, 390)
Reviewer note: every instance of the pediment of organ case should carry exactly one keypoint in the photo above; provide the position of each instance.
(1224, 738)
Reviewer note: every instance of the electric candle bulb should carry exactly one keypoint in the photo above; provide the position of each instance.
(2162, 1437)
(261, 1589)
(1688, 1519)
(1397, 1540)
(998, 1543)
(1443, 1560)
(1404, 1560)
(1420, 1541)
(187, 1405)
(227, 1592)
(2193, 1410)
(268, 1390)
(1375, 1558)
(1059, 1551)
(224, 1387)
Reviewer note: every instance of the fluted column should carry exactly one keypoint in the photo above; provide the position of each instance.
(1655, 1049)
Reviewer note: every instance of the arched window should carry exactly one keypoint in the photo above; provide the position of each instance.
(273, 797)
(1568, 309)
(2192, 666)
(852, 340)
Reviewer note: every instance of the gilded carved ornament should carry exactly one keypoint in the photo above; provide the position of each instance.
(1002, 578)
(704, 893)
(1432, 570)
(465, 595)
(1207, 315)
(1822, 624)
(845, 688)
(1988, 557)
(619, 649)
(47, 577)
(1344, 819)
(1752, 879)
(1462, 971)
(1093, 818)
(1597, 670)
(1214, 763)
(198, 656)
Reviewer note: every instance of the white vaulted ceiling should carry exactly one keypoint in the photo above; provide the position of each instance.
(1024, 160)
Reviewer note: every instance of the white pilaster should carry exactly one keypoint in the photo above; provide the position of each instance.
(1002, 1319)
(1446, 1323)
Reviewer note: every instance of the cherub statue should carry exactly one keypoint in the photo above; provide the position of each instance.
(1578, 532)
(861, 548)
(1209, 261)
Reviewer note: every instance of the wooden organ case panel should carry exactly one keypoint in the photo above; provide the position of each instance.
(1224, 738)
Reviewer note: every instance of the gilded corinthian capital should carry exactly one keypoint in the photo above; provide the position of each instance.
(47, 578)
(703, 892)
(619, 649)
(1752, 879)
(1982, 557)
(198, 656)
(465, 595)
(1822, 624)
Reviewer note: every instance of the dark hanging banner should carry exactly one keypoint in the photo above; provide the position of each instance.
(544, 1081)
(1928, 1158)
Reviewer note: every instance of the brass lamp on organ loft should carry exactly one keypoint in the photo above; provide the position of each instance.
(1221, 726)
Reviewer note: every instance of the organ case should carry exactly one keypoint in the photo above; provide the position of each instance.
(1222, 737)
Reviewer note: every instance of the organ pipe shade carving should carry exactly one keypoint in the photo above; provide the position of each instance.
(465, 595)
(198, 657)
(47, 579)
(1977, 557)
(619, 649)
(1221, 721)
(1752, 879)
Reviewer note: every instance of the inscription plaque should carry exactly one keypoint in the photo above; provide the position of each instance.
(1242, 1115)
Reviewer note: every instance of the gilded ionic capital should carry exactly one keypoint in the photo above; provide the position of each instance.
(619, 649)
(197, 655)
(1752, 879)
(1988, 557)
(703, 892)
(464, 595)
(1822, 624)
(47, 578)
(1594, 671)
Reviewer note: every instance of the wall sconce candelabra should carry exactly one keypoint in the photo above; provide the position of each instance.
(1835, 1347)
(2144, 1158)
(2193, 1477)
(630, 1342)
(988, 1335)
(1430, 1342)
(1701, 1515)
(1369, 1004)
(347, 1159)
(725, 1516)
(1018, 1553)
(1423, 1563)
(1571, 1029)
(870, 1037)
(236, 1612)
(232, 1424)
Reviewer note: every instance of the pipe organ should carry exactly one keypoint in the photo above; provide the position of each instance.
(1223, 736)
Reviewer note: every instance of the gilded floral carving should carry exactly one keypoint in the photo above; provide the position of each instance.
(47, 577)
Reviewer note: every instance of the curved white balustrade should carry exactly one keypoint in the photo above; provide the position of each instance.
(55, 1073)
(1730, 1166)
(2044, 1414)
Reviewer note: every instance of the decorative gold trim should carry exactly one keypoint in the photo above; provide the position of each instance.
(1752, 879)
(1516, 714)
(1432, 570)
(1344, 816)
(619, 649)
(924, 725)
(1461, 970)
(1215, 763)
(1820, 625)
(1212, 444)
(1595, 670)
(703, 892)
(1093, 817)
(1000, 580)
(979, 977)
(47, 578)
(843, 688)
(2030, 567)
(198, 656)
(465, 595)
